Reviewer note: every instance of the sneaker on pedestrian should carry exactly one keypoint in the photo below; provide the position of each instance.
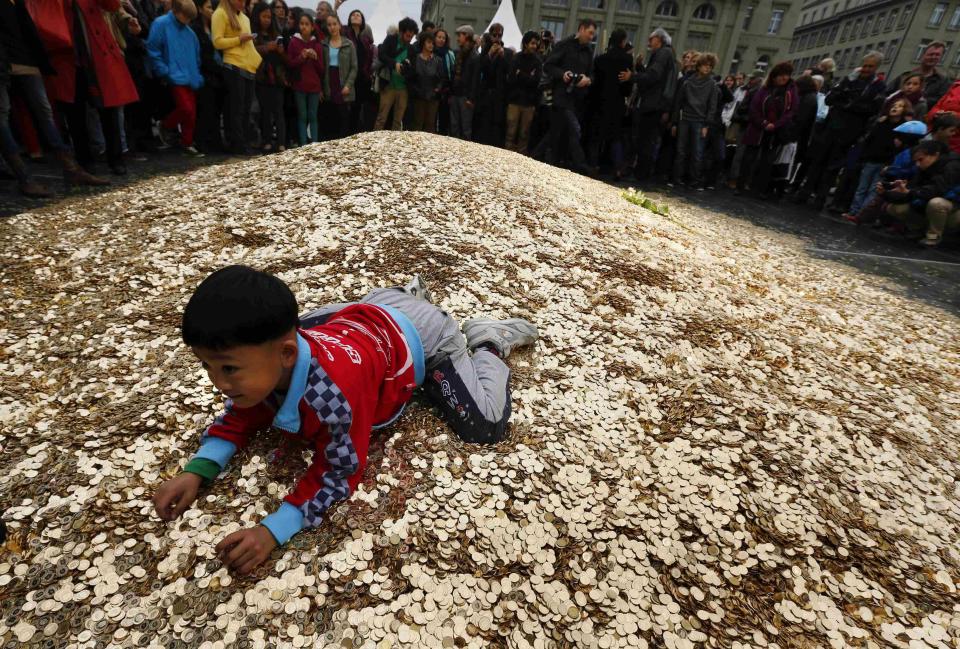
(930, 241)
(504, 335)
(191, 151)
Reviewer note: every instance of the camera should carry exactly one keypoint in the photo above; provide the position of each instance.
(887, 185)
(574, 80)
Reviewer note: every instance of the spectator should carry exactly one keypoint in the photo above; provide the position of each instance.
(656, 84)
(853, 102)
(808, 88)
(738, 124)
(465, 85)
(395, 55)
(210, 97)
(324, 9)
(271, 78)
(569, 69)
(363, 110)
(279, 9)
(230, 28)
(523, 92)
(174, 53)
(911, 89)
(879, 147)
(491, 105)
(340, 75)
(949, 103)
(613, 73)
(925, 202)
(448, 60)
(425, 86)
(714, 147)
(826, 69)
(695, 106)
(305, 57)
(769, 131)
(935, 83)
(22, 61)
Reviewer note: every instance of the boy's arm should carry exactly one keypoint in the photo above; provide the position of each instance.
(230, 431)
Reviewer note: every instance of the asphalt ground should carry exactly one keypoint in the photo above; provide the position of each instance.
(932, 275)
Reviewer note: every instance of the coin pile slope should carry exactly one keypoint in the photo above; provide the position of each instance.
(717, 441)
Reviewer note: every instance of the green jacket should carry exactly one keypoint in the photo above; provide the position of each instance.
(347, 64)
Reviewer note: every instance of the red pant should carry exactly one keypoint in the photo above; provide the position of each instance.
(183, 114)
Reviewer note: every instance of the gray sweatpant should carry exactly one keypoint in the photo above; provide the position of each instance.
(472, 390)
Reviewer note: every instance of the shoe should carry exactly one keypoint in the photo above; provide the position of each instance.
(711, 187)
(74, 174)
(191, 151)
(929, 242)
(168, 137)
(671, 184)
(502, 334)
(118, 169)
(418, 288)
(700, 188)
(32, 189)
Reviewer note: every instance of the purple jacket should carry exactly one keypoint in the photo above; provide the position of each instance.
(768, 108)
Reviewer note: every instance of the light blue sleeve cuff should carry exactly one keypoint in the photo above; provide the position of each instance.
(217, 450)
(284, 523)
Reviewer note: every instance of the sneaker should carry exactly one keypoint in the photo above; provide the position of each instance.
(191, 151)
(502, 334)
(418, 288)
(168, 137)
(700, 188)
(930, 242)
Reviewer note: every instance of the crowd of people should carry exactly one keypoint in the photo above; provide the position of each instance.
(111, 80)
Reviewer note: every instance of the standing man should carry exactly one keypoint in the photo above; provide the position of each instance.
(656, 85)
(466, 84)
(396, 58)
(569, 68)
(935, 83)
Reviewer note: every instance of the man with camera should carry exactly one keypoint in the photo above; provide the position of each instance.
(396, 56)
(569, 68)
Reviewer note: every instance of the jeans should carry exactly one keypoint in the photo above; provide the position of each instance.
(76, 114)
(519, 119)
(865, 188)
(690, 141)
(461, 118)
(240, 91)
(307, 103)
(395, 98)
(565, 135)
(30, 88)
(425, 115)
(184, 113)
(270, 99)
(715, 150)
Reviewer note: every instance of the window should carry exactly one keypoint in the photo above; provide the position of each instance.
(555, 26)
(747, 17)
(555, 3)
(697, 41)
(846, 31)
(631, 32)
(596, 38)
(735, 63)
(632, 6)
(891, 21)
(939, 11)
(892, 48)
(667, 8)
(882, 16)
(956, 61)
(833, 34)
(776, 20)
(955, 19)
(763, 62)
(592, 4)
(706, 11)
(905, 16)
(919, 53)
(793, 44)
(823, 37)
(866, 26)
(857, 24)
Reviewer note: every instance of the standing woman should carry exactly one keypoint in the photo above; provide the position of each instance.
(363, 110)
(769, 131)
(210, 97)
(231, 35)
(339, 75)
(441, 49)
(425, 86)
(271, 78)
(305, 57)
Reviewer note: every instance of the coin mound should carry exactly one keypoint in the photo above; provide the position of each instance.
(717, 441)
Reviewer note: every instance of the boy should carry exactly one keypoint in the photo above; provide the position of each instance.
(174, 53)
(331, 377)
(695, 106)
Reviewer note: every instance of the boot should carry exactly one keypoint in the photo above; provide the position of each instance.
(28, 187)
(74, 174)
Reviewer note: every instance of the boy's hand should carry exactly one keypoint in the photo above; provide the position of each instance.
(243, 551)
(176, 495)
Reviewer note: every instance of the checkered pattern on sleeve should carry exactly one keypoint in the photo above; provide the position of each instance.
(332, 408)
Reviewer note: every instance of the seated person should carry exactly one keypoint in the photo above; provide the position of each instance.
(926, 200)
(330, 378)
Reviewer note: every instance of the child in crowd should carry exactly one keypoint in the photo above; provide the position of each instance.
(305, 57)
(880, 145)
(174, 53)
(695, 107)
(271, 78)
(330, 377)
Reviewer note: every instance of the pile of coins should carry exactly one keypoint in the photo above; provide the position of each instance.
(717, 441)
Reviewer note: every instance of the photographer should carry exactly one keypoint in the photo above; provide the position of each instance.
(569, 68)
(396, 60)
(931, 193)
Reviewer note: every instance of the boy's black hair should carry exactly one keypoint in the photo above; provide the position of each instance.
(529, 36)
(587, 22)
(944, 120)
(930, 147)
(407, 25)
(238, 305)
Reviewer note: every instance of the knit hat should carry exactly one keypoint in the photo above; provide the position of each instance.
(913, 127)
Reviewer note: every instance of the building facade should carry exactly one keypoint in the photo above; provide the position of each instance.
(745, 34)
(845, 30)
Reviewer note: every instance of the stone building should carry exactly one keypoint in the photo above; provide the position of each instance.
(745, 34)
(847, 29)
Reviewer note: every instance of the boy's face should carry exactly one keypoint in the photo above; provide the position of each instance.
(944, 134)
(925, 160)
(249, 373)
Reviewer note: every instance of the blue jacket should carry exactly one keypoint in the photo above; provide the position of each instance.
(902, 167)
(174, 52)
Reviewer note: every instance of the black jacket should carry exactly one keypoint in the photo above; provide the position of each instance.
(934, 87)
(467, 83)
(878, 146)
(853, 102)
(387, 54)
(724, 98)
(19, 41)
(523, 79)
(657, 81)
(936, 180)
(211, 70)
(806, 117)
(569, 55)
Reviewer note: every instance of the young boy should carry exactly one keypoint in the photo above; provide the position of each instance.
(330, 377)
(174, 53)
(696, 104)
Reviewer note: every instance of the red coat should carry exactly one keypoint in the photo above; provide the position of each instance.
(949, 102)
(110, 76)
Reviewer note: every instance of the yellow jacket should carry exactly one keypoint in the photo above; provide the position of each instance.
(227, 39)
